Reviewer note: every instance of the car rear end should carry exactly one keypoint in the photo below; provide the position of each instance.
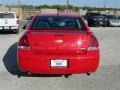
(114, 22)
(9, 22)
(61, 50)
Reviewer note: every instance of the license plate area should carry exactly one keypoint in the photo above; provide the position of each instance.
(59, 63)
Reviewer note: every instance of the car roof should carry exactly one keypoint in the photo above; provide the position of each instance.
(59, 14)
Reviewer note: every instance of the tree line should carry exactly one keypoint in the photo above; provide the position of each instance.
(63, 7)
(71, 7)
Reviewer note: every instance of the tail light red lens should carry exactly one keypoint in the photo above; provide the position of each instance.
(93, 43)
(23, 43)
(17, 22)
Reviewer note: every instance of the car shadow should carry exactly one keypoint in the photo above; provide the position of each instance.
(10, 63)
(10, 60)
(6, 32)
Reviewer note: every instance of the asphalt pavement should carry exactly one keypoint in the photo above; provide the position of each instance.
(107, 76)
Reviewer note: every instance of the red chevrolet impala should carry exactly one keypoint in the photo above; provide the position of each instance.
(58, 44)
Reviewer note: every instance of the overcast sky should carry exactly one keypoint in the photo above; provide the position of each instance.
(93, 3)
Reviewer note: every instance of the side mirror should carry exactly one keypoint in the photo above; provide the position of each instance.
(28, 18)
(31, 17)
(24, 27)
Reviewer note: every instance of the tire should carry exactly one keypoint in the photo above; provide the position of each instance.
(89, 24)
(16, 31)
(108, 24)
(104, 25)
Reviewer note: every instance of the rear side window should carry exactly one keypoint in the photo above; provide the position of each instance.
(7, 15)
(92, 14)
(57, 23)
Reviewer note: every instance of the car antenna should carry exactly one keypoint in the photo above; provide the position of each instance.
(57, 11)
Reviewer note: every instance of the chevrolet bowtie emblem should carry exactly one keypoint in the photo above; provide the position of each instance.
(59, 41)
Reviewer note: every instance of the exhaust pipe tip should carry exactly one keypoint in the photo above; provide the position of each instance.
(88, 73)
(19, 76)
(67, 76)
(28, 73)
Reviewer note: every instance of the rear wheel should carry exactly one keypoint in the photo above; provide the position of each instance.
(90, 25)
(104, 25)
(16, 31)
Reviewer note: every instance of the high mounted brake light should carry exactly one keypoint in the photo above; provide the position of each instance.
(17, 21)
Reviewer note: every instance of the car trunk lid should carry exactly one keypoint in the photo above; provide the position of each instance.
(8, 22)
(61, 42)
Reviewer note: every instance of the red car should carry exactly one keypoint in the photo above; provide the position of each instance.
(58, 44)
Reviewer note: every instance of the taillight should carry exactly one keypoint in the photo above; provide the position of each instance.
(23, 43)
(17, 21)
(93, 43)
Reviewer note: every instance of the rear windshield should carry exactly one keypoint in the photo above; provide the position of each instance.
(7, 15)
(57, 23)
(111, 17)
(94, 14)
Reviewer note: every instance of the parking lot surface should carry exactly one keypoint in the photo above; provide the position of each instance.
(107, 76)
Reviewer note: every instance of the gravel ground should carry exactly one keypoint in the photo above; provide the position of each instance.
(107, 76)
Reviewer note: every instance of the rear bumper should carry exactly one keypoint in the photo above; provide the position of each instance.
(99, 23)
(40, 64)
(114, 25)
(8, 27)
